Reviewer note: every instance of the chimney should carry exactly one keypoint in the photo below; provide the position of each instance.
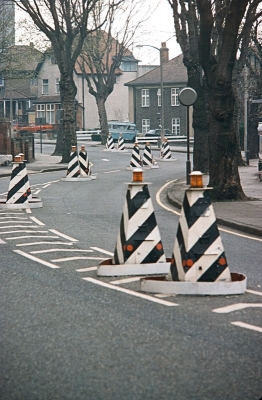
(164, 52)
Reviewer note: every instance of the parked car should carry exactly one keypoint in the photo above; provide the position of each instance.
(128, 129)
(157, 133)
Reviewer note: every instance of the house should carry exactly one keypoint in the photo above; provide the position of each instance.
(145, 96)
(18, 82)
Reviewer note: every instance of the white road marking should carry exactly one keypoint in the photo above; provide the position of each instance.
(33, 258)
(32, 236)
(19, 226)
(109, 172)
(55, 250)
(19, 218)
(236, 307)
(247, 326)
(86, 269)
(37, 191)
(126, 280)
(28, 210)
(162, 295)
(37, 221)
(105, 159)
(131, 292)
(77, 258)
(102, 251)
(11, 213)
(2, 241)
(63, 235)
(177, 213)
(48, 184)
(36, 243)
(23, 231)
(13, 222)
(254, 292)
(160, 202)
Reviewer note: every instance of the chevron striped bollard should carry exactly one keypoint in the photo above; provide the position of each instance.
(73, 170)
(110, 143)
(148, 161)
(198, 265)
(17, 192)
(165, 150)
(139, 248)
(121, 143)
(135, 161)
(84, 162)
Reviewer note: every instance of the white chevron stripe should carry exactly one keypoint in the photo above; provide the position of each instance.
(135, 189)
(177, 256)
(139, 218)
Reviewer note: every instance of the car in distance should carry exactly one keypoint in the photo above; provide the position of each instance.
(157, 133)
(128, 130)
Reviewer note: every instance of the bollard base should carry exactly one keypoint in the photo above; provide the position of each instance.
(34, 203)
(107, 268)
(237, 285)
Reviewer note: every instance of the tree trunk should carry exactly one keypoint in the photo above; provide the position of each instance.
(100, 101)
(66, 141)
(252, 133)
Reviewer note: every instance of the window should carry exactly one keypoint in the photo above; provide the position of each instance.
(57, 87)
(33, 81)
(40, 111)
(145, 97)
(145, 125)
(50, 113)
(176, 126)
(128, 66)
(45, 86)
(159, 97)
(174, 97)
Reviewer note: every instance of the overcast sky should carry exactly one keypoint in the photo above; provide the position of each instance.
(159, 27)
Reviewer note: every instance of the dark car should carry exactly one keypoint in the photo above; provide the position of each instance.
(157, 133)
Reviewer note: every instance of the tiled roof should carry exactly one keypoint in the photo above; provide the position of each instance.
(47, 99)
(174, 71)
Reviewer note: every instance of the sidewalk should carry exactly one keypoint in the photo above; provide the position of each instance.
(245, 216)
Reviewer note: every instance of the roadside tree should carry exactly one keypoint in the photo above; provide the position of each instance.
(66, 24)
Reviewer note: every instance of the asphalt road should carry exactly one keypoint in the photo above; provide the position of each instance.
(65, 337)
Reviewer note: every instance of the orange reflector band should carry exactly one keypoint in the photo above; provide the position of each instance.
(196, 179)
(159, 246)
(22, 156)
(17, 158)
(129, 247)
(137, 175)
(73, 148)
(222, 261)
(187, 263)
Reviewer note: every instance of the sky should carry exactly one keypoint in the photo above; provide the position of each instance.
(158, 28)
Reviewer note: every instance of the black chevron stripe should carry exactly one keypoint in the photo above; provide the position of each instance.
(137, 201)
(197, 209)
(154, 254)
(200, 246)
(122, 240)
(17, 186)
(214, 270)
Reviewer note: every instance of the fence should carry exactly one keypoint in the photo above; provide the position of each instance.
(174, 139)
(86, 135)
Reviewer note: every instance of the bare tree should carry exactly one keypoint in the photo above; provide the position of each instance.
(186, 22)
(226, 19)
(66, 23)
(103, 51)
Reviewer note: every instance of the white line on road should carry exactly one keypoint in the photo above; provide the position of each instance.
(109, 172)
(37, 221)
(131, 292)
(37, 191)
(236, 307)
(36, 243)
(105, 159)
(254, 292)
(247, 326)
(28, 210)
(63, 250)
(102, 251)
(13, 222)
(33, 258)
(177, 213)
(48, 184)
(22, 231)
(18, 226)
(86, 269)
(2, 241)
(32, 236)
(63, 235)
(77, 258)
(13, 218)
(126, 280)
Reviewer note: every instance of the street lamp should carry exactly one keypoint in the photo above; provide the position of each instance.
(162, 85)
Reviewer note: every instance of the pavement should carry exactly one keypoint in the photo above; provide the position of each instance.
(245, 216)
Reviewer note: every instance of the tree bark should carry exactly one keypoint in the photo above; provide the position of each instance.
(222, 138)
(100, 101)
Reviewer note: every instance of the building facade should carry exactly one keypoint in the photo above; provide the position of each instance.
(145, 101)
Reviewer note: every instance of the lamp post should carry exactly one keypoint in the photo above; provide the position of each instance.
(187, 97)
(161, 86)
